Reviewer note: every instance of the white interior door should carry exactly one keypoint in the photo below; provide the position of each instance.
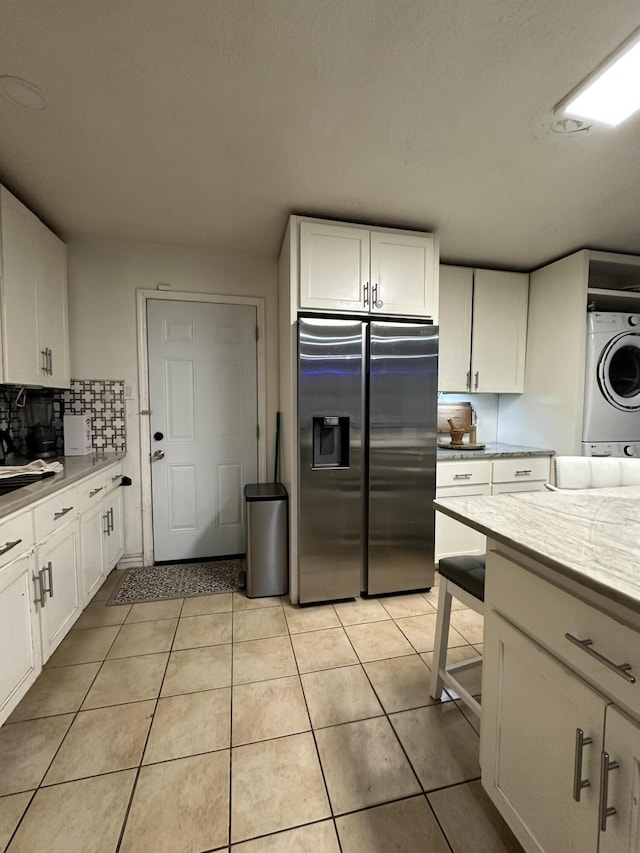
(204, 417)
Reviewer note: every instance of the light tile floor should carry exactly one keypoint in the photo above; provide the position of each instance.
(225, 723)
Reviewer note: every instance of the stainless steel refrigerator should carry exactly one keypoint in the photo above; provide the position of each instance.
(367, 421)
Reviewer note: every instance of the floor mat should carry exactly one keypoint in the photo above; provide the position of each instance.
(177, 580)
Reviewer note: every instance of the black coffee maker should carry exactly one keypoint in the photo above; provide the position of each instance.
(40, 415)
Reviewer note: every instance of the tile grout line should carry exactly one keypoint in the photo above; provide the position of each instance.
(134, 786)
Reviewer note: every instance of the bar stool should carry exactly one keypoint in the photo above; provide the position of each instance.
(462, 578)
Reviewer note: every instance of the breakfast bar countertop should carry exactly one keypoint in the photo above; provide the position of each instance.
(493, 450)
(589, 536)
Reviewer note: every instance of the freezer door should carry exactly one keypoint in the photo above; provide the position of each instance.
(402, 455)
(330, 417)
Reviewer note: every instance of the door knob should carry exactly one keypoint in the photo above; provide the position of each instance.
(158, 455)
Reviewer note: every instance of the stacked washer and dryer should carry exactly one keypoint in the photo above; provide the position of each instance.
(611, 422)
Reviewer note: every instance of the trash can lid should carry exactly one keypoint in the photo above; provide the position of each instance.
(265, 492)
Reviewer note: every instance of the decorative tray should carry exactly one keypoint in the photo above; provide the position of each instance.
(451, 446)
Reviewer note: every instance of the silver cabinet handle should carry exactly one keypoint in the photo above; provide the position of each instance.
(94, 492)
(462, 476)
(475, 383)
(49, 570)
(468, 380)
(110, 520)
(117, 477)
(366, 294)
(621, 669)
(63, 511)
(578, 782)
(8, 546)
(49, 361)
(40, 596)
(377, 303)
(105, 529)
(524, 473)
(605, 810)
(45, 364)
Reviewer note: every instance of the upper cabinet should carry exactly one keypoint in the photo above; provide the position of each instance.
(351, 268)
(33, 299)
(483, 330)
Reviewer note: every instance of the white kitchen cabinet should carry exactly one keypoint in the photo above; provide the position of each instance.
(622, 745)
(91, 547)
(350, 268)
(58, 566)
(559, 712)
(519, 474)
(33, 299)
(112, 528)
(483, 330)
(19, 632)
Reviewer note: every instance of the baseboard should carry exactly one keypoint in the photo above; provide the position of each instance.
(130, 561)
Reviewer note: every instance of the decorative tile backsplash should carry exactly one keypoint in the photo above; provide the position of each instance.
(103, 398)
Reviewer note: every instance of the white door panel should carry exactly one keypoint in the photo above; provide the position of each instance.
(203, 399)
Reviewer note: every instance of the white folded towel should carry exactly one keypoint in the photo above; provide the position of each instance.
(38, 466)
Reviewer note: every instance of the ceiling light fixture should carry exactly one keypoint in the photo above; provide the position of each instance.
(22, 93)
(612, 92)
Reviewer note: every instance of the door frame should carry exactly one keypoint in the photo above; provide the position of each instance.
(142, 297)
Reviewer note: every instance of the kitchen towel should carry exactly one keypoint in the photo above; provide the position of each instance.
(38, 466)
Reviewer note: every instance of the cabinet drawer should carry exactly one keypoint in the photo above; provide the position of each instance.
(16, 536)
(520, 469)
(90, 492)
(547, 613)
(55, 512)
(463, 473)
(528, 486)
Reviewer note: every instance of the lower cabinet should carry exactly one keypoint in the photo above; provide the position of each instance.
(58, 572)
(19, 632)
(559, 758)
(93, 571)
(112, 530)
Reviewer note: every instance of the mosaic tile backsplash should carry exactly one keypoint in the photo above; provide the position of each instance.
(103, 398)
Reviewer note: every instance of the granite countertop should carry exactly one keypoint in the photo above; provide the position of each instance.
(591, 536)
(76, 468)
(493, 450)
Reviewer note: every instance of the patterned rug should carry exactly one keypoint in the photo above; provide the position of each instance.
(177, 580)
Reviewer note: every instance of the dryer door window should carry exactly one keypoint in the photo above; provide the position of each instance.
(619, 372)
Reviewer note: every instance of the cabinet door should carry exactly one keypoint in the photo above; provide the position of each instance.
(59, 556)
(453, 538)
(113, 531)
(456, 301)
(22, 362)
(622, 743)
(334, 267)
(53, 334)
(19, 637)
(499, 331)
(532, 708)
(92, 566)
(404, 276)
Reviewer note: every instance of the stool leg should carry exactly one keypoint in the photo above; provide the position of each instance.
(442, 638)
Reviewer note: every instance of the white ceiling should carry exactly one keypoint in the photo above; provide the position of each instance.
(206, 122)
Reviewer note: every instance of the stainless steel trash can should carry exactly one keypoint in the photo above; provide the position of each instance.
(267, 539)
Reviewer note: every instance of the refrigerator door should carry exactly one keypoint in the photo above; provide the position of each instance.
(403, 386)
(331, 496)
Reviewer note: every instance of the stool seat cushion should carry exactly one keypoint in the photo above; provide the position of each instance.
(467, 572)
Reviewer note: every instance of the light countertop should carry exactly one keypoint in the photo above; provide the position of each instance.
(493, 450)
(591, 536)
(76, 468)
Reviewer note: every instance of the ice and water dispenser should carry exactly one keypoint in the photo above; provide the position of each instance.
(330, 442)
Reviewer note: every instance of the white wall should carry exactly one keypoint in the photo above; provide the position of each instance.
(103, 278)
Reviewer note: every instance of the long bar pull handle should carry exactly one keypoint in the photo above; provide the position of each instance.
(621, 669)
(94, 492)
(63, 511)
(377, 303)
(605, 810)
(49, 570)
(111, 524)
(49, 361)
(476, 379)
(40, 598)
(462, 476)
(45, 363)
(468, 380)
(105, 518)
(8, 546)
(524, 473)
(366, 294)
(578, 782)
